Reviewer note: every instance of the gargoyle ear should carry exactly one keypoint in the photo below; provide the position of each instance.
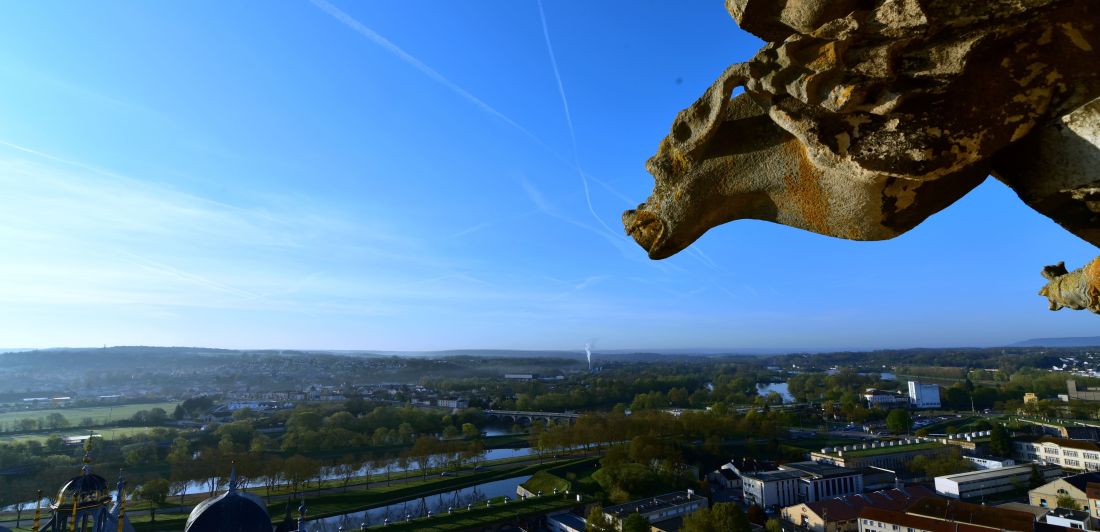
(695, 125)
(1052, 271)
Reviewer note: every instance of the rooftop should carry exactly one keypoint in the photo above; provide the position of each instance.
(569, 519)
(873, 451)
(1072, 444)
(846, 508)
(975, 514)
(1024, 507)
(820, 469)
(919, 522)
(1082, 480)
(654, 504)
(1068, 513)
(983, 474)
(773, 476)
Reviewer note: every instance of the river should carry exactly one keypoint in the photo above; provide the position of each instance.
(377, 474)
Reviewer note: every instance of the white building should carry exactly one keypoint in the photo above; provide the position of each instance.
(991, 463)
(565, 522)
(659, 508)
(1067, 518)
(771, 488)
(924, 395)
(884, 400)
(1078, 455)
(453, 403)
(976, 484)
(825, 481)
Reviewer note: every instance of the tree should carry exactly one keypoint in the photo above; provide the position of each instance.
(898, 421)
(470, 431)
(636, 523)
(773, 525)
(299, 470)
(56, 421)
(597, 521)
(1068, 502)
(348, 467)
(156, 492)
(722, 517)
(1036, 479)
(1000, 441)
(55, 444)
(945, 464)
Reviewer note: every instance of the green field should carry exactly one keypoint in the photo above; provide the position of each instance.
(899, 448)
(99, 414)
(106, 433)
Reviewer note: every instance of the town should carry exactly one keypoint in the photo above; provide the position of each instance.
(830, 443)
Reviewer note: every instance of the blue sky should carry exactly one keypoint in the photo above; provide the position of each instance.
(406, 176)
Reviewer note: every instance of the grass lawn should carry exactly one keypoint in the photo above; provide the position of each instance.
(106, 433)
(483, 517)
(896, 449)
(817, 442)
(99, 414)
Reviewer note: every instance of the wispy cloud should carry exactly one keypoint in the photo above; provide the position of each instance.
(433, 74)
(569, 123)
(412, 61)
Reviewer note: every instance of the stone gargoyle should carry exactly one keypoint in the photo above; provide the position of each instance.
(1076, 290)
(861, 118)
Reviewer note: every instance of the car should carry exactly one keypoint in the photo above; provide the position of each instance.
(444, 474)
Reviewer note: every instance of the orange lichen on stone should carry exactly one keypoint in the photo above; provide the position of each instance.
(1076, 290)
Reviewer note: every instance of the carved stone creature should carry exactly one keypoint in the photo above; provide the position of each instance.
(1076, 290)
(861, 118)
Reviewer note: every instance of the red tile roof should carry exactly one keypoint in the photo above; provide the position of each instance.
(974, 514)
(1073, 444)
(847, 508)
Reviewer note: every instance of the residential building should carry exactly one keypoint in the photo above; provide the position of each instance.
(841, 514)
(1065, 517)
(1031, 399)
(885, 400)
(729, 475)
(1092, 492)
(800, 482)
(723, 478)
(771, 489)
(924, 395)
(1074, 487)
(565, 522)
(933, 514)
(1078, 455)
(1074, 430)
(990, 463)
(659, 508)
(453, 403)
(822, 481)
(891, 455)
(985, 482)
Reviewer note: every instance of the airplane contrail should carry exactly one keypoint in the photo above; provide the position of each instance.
(408, 58)
(569, 122)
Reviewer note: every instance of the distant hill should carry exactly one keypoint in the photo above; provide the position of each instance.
(1070, 341)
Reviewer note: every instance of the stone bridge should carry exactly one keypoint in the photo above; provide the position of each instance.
(526, 418)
